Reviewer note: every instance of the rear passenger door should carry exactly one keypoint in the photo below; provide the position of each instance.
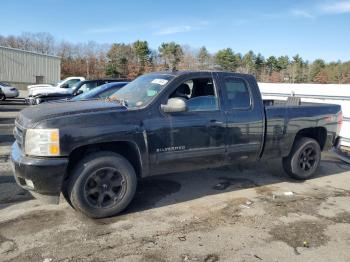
(245, 126)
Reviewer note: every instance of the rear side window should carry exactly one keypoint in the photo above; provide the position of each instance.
(237, 93)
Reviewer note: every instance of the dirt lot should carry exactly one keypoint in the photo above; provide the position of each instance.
(226, 214)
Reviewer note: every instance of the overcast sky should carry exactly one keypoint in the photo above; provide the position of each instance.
(312, 28)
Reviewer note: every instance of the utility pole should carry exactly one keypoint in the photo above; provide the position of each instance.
(87, 68)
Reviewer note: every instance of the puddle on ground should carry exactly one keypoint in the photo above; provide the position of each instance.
(343, 217)
(234, 183)
(228, 215)
(303, 233)
(266, 190)
(281, 205)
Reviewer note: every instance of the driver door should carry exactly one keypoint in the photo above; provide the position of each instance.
(192, 139)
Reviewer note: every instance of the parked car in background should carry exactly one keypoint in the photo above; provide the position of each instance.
(8, 91)
(100, 92)
(61, 87)
(77, 89)
(65, 81)
(1, 94)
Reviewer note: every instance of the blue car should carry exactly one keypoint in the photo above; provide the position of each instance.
(100, 92)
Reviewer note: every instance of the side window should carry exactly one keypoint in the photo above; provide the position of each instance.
(237, 93)
(199, 94)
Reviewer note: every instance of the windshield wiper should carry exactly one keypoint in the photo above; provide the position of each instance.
(121, 101)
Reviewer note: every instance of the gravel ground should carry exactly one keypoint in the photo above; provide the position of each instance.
(253, 213)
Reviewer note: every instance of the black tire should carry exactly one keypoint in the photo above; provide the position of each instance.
(304, 159)
(102, 184)
(2, 97)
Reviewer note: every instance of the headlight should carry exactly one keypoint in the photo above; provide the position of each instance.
(42, 142)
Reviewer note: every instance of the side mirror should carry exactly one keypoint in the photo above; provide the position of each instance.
(65, 86)
(174, 105)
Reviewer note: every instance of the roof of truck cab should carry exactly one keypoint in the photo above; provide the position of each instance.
(107, 79)
(185, 72)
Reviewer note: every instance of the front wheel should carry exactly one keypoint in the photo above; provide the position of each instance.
(2, 97)
(304, 158)
(102, 185)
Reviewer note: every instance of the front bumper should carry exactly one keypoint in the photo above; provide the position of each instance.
(30, 100)
(39, 175)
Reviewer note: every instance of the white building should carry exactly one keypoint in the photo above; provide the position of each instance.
(22, 68)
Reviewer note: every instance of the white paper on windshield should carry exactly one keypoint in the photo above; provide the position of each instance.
(159, 81)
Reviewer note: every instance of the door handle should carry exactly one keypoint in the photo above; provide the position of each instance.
(214, 122)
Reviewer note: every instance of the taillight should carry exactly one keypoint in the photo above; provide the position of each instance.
(340, 120)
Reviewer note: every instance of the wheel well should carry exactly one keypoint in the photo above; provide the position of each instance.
(317, 133)
(127, 149)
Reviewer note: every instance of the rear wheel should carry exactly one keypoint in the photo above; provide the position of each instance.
(102, 185)
(2, 97)
(304, 158)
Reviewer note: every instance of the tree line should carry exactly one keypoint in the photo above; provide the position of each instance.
(129, 60)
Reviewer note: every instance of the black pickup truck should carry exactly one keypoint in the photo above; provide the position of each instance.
(94, 152)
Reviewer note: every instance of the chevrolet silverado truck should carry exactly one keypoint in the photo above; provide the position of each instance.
(94, 152)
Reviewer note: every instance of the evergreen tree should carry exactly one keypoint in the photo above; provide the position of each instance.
(227, 59)
(271, 64)
(248, 62)
(317, 66)
(171, 54)
(203, 58)
(142, 52)
(259, 64)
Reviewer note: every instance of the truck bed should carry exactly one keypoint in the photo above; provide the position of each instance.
(283, 120)
(290, 103)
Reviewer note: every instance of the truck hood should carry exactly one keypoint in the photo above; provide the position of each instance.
(39, 85)
(48, 90)
(31, 115)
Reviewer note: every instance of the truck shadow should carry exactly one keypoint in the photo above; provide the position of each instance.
(159, 191)
(11, 193)
(170, 189)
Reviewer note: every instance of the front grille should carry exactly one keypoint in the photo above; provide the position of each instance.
(18, 133)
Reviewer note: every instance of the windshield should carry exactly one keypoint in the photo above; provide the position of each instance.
(94, 93)
(142, 90)
(74, 86)
(61, 81)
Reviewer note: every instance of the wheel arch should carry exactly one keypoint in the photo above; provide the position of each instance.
(127, 149)
(318, 133)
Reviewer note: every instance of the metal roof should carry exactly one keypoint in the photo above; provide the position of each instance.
(30, 52)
